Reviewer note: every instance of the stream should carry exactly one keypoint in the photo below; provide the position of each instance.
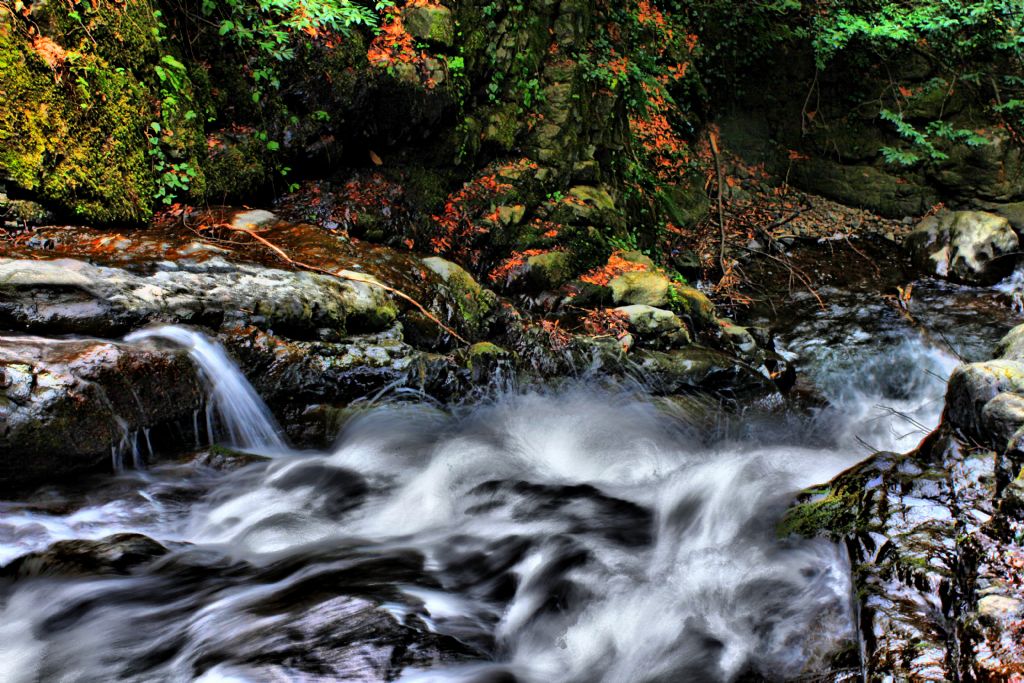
(584, 534)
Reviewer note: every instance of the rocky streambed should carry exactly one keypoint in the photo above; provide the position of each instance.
(451, 484)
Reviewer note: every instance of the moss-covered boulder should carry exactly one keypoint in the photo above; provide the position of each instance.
(81, 147)
(643, 287)
(471, 305)
(432, 23)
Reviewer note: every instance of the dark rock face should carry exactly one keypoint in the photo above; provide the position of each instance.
(66, 406)
(113, 555)
(935, 536)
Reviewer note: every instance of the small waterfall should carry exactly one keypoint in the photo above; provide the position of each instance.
(233, 405)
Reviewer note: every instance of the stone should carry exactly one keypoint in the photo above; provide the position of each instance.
(641, 287)
(474, 304)
(651, 321)
(1011, 346)
(973, 247)
(1001, 418)
(638, 257)
(864, 186)
(432, 23)
(549, 270)
(66, 405)
(511, 215)
(696, 369)
(999, 606)
(111, 556)
(69, 296)
(695, 305)
(973, 386)
(253, 219)
(291, 375)
(740, 338)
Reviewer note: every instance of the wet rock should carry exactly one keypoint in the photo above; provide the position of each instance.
(650, 320)
(114, 555)
(71, 296)
(254, 219)
(70, 406)
(973, 386)
(999, 606)
(657, 325)
(697, 369)
(973, 247)
(484, 353)
(740, 338)
(292, 375)
(933, 537)
(642, 287)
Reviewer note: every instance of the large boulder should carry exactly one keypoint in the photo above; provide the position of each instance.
(72, 406)
(933, 535)
(973, 247)
(69, 296)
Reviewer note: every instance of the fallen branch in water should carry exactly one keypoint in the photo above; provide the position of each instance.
(793, 270)
(345, 275)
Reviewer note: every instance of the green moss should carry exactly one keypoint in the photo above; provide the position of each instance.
(691, 302)
(473, 303)
(113, 31)
(827, 511)
(433, 23)
(484, 353)
(79, 146)
(236, 167)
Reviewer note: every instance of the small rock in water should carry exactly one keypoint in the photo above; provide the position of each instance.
(117, 554)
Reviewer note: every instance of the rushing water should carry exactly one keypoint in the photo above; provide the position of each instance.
(584, 535)
(232, 403)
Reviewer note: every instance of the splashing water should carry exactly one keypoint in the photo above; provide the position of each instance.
(580, 536)
(233, 403)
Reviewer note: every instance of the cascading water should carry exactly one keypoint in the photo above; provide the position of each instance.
(584, 535)
(233, 404)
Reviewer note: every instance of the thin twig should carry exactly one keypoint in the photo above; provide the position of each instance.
(721, 205)
(794, 271)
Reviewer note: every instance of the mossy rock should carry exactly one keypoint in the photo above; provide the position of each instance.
(641, 287)
(237, 166)
(485, 354)
(471, 304)
(74, 133)
(432, 23)
(82, 149)
(828, 511)
(549, 270)
(693, 303)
